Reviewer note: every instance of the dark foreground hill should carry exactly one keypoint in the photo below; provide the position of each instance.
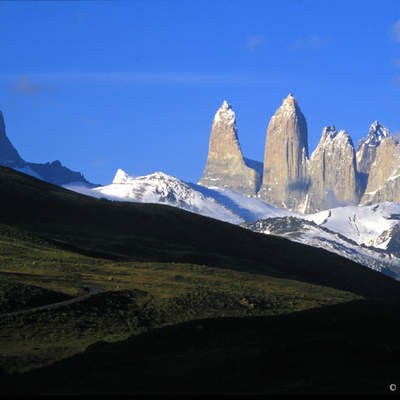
(151, 232)
(166, 301)
(350, 348)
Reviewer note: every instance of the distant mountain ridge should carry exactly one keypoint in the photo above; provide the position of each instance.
(53, 172)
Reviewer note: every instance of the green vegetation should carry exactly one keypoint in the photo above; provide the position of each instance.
(164, 293)
(169, 293)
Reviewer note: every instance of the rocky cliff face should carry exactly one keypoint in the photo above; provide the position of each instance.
(9, 156)
(332, 171)
(285, 181)
(384, 178)
(225, 164)
(335, 175)
(366, 149)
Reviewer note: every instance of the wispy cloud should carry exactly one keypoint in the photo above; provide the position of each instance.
(100, 162)
(24, 86)
(311, 41)
(396, 31)
(253, 42)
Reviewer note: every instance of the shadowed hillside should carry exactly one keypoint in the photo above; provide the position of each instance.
(150, 232)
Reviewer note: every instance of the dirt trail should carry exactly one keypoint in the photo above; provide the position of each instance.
(91, 292)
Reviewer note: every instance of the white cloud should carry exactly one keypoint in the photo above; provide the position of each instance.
(26, 87)
(99, 162)
(254, 42)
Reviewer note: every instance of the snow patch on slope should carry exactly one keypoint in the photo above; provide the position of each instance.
(362, 224)
(309, 233)
(249, 208)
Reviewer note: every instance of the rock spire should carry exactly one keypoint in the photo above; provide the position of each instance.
(366, 149)
(285, 181)
(225, 165)
(384, 177)
(332, 171)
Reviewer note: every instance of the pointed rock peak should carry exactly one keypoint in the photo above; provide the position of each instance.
(289, 106)
(225, 114)
(376, 133)
(121, 176)
(329, 132)
(290, 101)
(225, 105)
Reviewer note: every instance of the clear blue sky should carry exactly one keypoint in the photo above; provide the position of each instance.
(102, 85)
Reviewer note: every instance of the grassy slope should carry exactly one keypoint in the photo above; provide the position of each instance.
(169, 293)
(161, 266)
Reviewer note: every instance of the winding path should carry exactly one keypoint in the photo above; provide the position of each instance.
(52, 306)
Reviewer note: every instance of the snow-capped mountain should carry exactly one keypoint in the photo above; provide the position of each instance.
(164, 189)
(369, 235)
(219, 203)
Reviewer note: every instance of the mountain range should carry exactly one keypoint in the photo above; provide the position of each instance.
(338, 199)
(334, 175)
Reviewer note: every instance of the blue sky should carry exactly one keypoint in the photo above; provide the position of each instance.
(102, 85)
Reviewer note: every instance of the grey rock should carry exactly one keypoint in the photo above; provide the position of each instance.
(366, 149)
(225, 165)
(384, 177)
(285, 182)
(333, 173)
